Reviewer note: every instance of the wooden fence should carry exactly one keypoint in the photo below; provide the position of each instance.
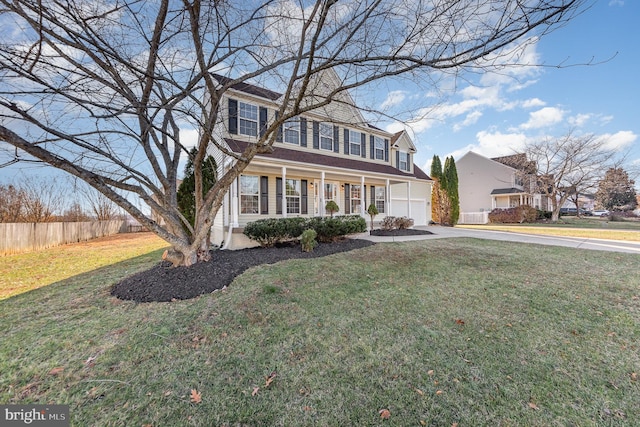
(25, 237)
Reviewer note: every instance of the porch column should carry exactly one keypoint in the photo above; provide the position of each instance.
(363, 195)
(321, 210)
(387, 192)
(284, 191)
(409, 199)
(234, 203)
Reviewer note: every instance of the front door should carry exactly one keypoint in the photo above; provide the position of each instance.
(330, 192)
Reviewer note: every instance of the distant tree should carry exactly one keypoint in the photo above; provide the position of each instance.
(566, 165)
(11, 203)
(187, 188)
(43, 199)
(450, 188)
(616, 191)
(75, 213)
(436, 196)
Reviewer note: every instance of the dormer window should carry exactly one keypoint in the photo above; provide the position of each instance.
(248, 115)
(403, 161)
(379, 148)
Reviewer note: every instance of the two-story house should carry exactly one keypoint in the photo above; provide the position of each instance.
(330, 153)
(485, 184)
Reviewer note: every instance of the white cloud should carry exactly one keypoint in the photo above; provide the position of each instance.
(579, 120)
(544, 117)
(394, 98)
(494, 144)
(619, 140)
(533, 103)
(616, 3)
(471, 119)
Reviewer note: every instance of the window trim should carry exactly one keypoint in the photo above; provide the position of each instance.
(241, 118)
(244, 195)
(355, 142)
(292, 125)
(358, 199)
(380, 201)
(404, 154)
(328, 127)
(376, 140)
(292, 197)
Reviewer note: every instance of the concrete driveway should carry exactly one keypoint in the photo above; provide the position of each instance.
(570, 242)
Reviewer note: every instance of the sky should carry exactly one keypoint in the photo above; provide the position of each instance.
(594, 90)
(496, 114)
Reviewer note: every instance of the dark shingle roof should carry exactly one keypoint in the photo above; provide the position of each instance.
(511, 190)
(318, 159)
(248, 88)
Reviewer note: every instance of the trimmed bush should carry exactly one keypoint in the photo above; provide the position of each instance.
(331, 229)
(516, 215)
(308, 240)
(270, 231)
(402, 223)
(388, 223)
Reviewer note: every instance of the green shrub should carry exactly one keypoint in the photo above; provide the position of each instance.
(270, 231)
(331, 207)
(331, 229)
(308, 240)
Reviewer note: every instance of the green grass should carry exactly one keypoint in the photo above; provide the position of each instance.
(587, 227)
(23, 272)
(438, 332)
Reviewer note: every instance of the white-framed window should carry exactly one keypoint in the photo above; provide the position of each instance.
(249, 194)
(329, 192)
(248, 119)
(354, 142)
(379, 147)
(380, 198)
(292, 131)
(326, 136)
(293, 195)
(403, 161)
(356, 198)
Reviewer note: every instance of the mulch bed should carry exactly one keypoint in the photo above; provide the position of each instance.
(164, 283)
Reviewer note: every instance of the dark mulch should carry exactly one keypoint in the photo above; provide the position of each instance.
(404, 232)
(163, 283)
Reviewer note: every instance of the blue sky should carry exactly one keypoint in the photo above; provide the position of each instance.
(497, 114)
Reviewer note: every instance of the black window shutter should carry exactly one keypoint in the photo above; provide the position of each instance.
(336, 139)
(264, 195)
(397, 160)
(233, 116)
(346, 141)
(304, 206)
(303, 132)
(263, 121)
(347, 199)
(316, 135)
(278, 195)
(363, 145)
(373, 194)
(279, 134)
(372, 147)
(386, 150)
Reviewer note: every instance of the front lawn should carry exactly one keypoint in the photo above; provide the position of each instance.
(435, 332)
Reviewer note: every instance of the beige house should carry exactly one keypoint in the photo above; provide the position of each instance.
(326, 154)
(485, 184)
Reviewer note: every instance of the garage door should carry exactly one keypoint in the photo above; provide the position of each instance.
(418, 210)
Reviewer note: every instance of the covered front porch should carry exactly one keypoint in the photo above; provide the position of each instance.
(503, 198)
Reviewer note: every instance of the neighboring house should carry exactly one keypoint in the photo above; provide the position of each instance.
(325, 154)
(485, 184)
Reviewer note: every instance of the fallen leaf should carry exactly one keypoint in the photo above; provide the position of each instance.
(269, 379)
(460, 321)
(454, 425)
(255, 391)
(423, 423)
(634, 376)
(167, 393)
(439, 392)
(307, 408)
(196, 397)
(430, 372)
(420, 392)
(533, 405)
(384, 414)
(56, 371)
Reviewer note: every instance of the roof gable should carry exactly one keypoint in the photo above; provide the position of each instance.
(402, 141)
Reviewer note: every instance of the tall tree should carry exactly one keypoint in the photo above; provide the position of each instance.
(11, 203)
(567, 165)
(101, 90)
(436, 190)
(616, 191)
(450, 188)
(187, 188)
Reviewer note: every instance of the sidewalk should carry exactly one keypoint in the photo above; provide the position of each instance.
(440, 232)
